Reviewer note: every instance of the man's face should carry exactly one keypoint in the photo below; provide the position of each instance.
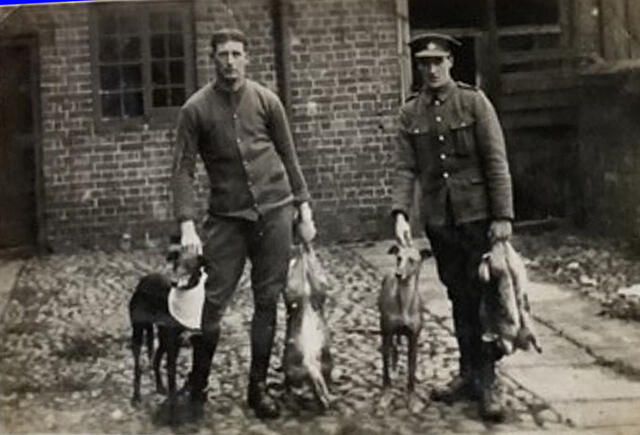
(230, 60)
(435, 71)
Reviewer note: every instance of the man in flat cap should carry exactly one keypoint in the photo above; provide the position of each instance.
(240, 131)
(450, 140)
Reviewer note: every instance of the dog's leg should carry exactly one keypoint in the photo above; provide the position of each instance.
(173, 347)
(387, 347)
(412, 360)
(411, 372)
(396, 341)
(157, 359)
(150, 338)
(136, 346)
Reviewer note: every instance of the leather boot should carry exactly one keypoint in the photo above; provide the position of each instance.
(262, 404)
(491, 403)
(462, 387)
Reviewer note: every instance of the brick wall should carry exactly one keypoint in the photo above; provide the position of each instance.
(99, 184)
(345, 95)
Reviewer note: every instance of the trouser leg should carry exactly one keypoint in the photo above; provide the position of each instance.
(457, 250)
(225, 249)
(269, 251)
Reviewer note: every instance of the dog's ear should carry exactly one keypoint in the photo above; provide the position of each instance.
(426, 253)
(393, 250)
(202, 262)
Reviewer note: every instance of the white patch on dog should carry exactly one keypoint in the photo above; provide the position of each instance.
(185, 305)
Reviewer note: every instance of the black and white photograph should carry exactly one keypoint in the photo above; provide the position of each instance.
(330, 217)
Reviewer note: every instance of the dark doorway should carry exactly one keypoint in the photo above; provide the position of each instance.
(18, 142)
(462, 19)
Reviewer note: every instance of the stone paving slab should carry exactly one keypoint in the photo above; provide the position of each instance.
(542, 292)
(577, 383)
(601, 413)
(580, 319)
(557, 351)
(618, 430)
(9, 270)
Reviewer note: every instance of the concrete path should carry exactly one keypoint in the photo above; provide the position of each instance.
(589, 371)
(9, 270)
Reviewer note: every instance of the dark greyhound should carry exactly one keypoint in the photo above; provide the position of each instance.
(149, 308)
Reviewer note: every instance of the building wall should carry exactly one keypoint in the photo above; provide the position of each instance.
(609, 153)
(100, 184)
(345, 95)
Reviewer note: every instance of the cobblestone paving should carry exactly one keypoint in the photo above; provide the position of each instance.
(66, 365)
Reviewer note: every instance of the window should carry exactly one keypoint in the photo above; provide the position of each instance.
(142, 59)
(436, 14)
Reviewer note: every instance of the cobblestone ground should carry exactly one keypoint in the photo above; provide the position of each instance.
(66, 364)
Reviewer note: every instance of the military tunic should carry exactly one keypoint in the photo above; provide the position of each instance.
(453, 143)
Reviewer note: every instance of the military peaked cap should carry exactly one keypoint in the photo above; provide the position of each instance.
(433, 44)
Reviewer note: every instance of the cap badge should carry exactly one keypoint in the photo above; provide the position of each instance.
(431, 46)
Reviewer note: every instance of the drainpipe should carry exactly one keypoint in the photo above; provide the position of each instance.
(282, 47)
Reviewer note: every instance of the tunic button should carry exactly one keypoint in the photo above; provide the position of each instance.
(437, 102)
(238, 140)
(438, 118)
(441, 138)
(443, 156)
(464, 124)
(416, 131)
(235, 116)
(445, 174)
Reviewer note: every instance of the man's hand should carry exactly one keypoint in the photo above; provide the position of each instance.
(306, 227)
(500, 230)
(403, 230)
(190, 241)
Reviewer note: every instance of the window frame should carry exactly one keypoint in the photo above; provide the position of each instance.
(151, 115)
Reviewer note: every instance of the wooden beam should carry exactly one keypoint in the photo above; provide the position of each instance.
(538, 81)
(633, 22)
(546, 99)
(615, 36)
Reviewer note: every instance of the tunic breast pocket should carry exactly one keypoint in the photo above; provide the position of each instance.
(463, 134)
(419, 137)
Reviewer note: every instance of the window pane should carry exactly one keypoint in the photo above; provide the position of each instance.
(133, 104)
(157, 46)
(176, 71)
(107, 24)
(132, 76)
(521, 12)
(159, 97)
(177, 96)
(131, 48)
(111, 105)
(109, 77)
(175, 22)
(129, 24)
(175, 45)
(433, 14)
(108, 49)
(158, 22)
(158, 73)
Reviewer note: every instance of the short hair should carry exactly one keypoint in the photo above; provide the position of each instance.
(225, 35)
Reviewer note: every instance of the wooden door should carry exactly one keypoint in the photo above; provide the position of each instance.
(18, 139)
